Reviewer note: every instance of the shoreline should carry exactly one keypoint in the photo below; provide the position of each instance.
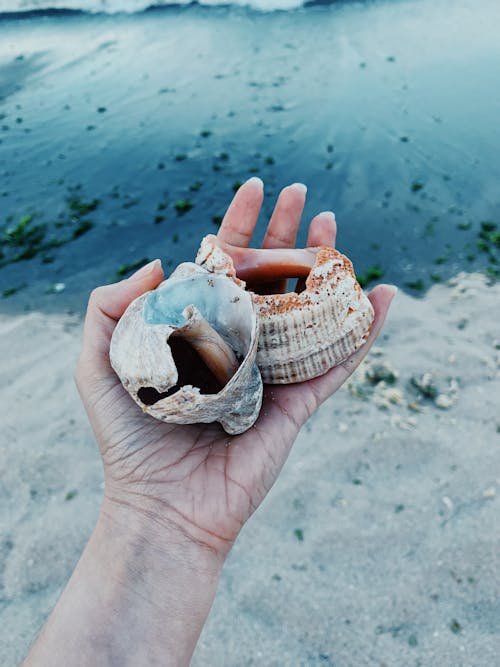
(155, 7)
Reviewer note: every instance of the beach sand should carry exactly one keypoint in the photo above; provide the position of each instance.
(378, 545)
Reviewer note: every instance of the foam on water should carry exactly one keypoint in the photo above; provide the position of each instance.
(131, 6)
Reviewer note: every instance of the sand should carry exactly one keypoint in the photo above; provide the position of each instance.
(378, 545)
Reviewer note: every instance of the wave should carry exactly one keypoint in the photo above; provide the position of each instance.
(132, 6)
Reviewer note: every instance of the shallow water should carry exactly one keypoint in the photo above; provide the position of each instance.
(114, 6)
(389, 112)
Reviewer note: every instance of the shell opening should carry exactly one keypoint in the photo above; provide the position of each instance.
(203, 358)
(192, 371)
(209, 344)
(150, 395)
(267, 265)
(166, 376)
(262, 268)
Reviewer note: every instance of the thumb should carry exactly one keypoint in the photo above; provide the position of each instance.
(106, 305)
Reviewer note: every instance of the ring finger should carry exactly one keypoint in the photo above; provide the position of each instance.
(283, 226)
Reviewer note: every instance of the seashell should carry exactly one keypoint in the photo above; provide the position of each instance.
(197, 348)
(163, 374)
(301, 335)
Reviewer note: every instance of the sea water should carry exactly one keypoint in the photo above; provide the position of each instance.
(130, 6)
(388, 111)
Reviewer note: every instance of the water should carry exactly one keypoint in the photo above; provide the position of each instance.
(130, 6)
(388, 111)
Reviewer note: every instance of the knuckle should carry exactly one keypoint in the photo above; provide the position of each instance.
(96, 295)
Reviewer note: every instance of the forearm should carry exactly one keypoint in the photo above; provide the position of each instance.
(138, 596)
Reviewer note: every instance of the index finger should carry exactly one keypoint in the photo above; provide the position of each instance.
(241, 217)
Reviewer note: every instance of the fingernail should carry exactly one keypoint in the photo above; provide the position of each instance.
(299, 186)
(395, 290)
(146, 270)
(256, 180)
(330, 214)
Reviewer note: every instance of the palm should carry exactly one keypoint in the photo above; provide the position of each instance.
(197, 476)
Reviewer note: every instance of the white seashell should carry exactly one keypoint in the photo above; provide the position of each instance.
(144, 343)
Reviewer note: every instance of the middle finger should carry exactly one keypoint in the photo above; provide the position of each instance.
(283, 226)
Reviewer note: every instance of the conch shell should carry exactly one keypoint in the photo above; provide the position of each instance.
(158, 370)
(244, 338)
(301, 335)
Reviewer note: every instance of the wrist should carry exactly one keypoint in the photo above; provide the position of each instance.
(139, 595)
(167, 577)
(171, 520)
(145, 528)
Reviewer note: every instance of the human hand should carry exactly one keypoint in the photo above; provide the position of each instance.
(175, 496)
(194, 481)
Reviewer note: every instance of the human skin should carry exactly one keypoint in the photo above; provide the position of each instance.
(176, 496)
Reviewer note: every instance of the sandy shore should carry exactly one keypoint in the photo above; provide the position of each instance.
(379, 544)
